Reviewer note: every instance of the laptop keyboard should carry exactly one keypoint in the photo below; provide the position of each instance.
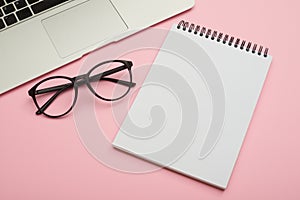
(15, 11)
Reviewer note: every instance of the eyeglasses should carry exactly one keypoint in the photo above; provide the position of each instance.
(56, 96)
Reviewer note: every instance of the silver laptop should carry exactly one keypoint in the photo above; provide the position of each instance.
(37, 36)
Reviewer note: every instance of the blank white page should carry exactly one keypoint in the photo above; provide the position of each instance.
(195, 106)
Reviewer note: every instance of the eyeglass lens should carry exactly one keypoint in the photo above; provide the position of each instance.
(110, 87)
(63, 96)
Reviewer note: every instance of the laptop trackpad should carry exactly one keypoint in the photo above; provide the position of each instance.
(82, 26)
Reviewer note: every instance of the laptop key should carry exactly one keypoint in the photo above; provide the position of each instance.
(24, 13)
(1, 13)
(20, 4)
(2, 3)
(10, 19)
(9, 1)
(8, 9)
(2, 25)
(46, 4)
(32, 1)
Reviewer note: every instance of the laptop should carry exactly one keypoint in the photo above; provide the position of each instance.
(37, 36)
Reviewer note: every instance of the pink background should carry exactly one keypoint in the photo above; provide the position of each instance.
(42, 158)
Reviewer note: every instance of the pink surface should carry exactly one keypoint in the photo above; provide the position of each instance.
(42, 158)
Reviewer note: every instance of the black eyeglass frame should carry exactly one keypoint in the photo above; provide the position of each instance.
(77, 81)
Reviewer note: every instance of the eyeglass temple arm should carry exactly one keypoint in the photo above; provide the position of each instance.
(53, 89)
(102, 76)
(81, 82)
(118, 81)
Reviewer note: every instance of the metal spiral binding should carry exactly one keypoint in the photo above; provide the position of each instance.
(220, 37)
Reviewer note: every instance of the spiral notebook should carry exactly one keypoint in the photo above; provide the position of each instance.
(192, 113)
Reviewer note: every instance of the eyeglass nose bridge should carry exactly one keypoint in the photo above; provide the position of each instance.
(80, 80)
